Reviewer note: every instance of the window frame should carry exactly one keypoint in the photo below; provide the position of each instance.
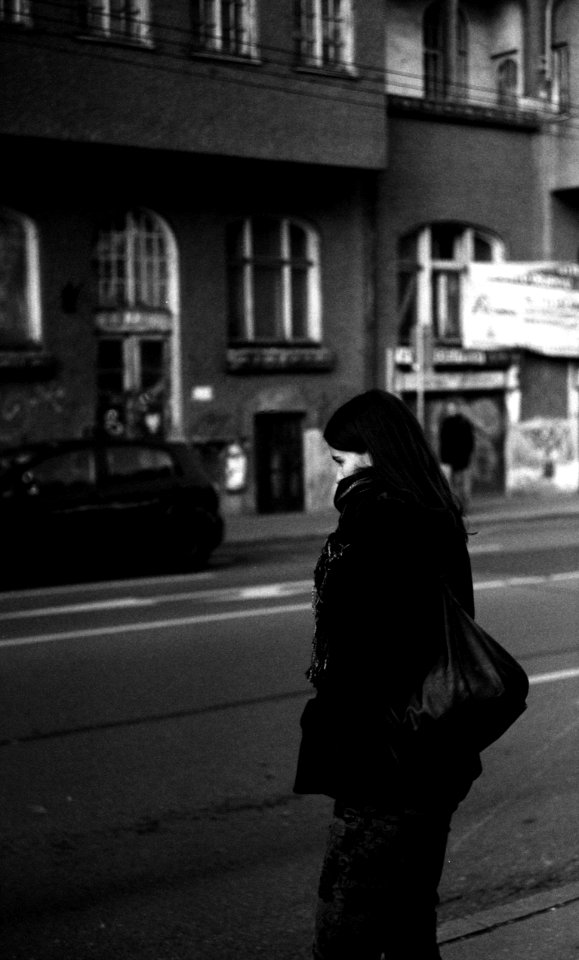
(126, 317)
(431, 274)
(115, 20)
(445, 71)
(314, 25)
(31, 336)
(561, 76)
(508, 92)
(16, 13)
(85, 456)
(123, 263)
(245, 263)
(210, 36)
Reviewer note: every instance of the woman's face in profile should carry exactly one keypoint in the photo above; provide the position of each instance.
(349, 462)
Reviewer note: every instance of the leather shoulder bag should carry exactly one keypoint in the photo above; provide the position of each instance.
(475, 687)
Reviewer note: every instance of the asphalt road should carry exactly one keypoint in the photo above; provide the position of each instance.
(148, 735)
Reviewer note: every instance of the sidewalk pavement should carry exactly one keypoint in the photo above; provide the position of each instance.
(544, 926)
(253, 528)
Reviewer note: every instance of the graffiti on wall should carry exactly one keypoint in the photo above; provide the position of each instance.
(26, 411)
(543, 453)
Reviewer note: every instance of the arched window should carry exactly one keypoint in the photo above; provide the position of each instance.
(445, 52)
(19, 282)
(137, 360)
(132, 260)
(507, 81)
(273, 273)
(432, 263)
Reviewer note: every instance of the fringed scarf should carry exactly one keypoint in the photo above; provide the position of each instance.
(334, 548)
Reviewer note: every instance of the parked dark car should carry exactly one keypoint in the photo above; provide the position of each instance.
(87, 505)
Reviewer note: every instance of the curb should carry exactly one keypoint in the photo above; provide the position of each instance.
(518, 910)
(319, 525)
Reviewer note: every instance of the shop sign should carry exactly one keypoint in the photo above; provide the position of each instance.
(534, 306)
(133, 321)
(444, 356)
(266, 359)
(452, 382)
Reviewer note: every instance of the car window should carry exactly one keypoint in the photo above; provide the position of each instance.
(12, 459)
(69, 472)
(136, 462)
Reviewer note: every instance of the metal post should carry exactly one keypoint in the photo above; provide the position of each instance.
(420, 373)
(390, 370)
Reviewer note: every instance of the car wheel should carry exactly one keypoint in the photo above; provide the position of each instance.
(196, 538)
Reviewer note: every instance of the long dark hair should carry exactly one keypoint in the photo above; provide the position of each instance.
(379, 423)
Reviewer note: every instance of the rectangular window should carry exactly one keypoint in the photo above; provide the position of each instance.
(225, 26)
(125, 20)
(446, 304)
(273, 281)
(16, 12)
(19, 283)
(407, 277)
(560, 95)
(325, 33)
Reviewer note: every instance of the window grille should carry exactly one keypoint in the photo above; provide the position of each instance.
(273, 272)
(225, 26)
(324, 32)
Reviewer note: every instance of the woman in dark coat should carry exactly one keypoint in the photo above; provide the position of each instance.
(377, 605)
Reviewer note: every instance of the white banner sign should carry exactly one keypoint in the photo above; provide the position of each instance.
(529, 305)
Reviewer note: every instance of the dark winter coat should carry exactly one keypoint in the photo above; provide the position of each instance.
(378, 596)
(456, 441)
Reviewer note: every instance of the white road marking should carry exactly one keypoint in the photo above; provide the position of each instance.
(526, 581)
(486, 548)
(265, 591)
(153, 625)
(268, 591)
(555, 675)
(90, 606)
(100, 585)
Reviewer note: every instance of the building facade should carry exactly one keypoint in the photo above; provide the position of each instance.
(481, 170)
(189, 219)
(220, 218)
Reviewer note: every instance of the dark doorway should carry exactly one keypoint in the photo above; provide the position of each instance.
(279, 462)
